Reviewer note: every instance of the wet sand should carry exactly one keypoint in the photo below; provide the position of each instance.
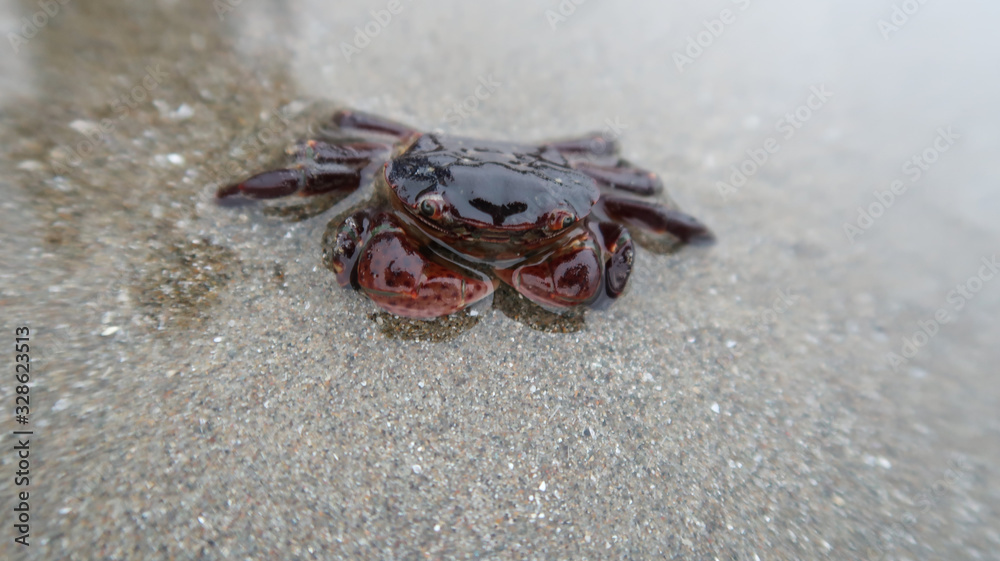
(203, 389)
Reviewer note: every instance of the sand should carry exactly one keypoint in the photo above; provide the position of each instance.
(203, 389)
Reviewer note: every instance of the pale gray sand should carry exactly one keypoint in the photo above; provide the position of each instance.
(203, 389)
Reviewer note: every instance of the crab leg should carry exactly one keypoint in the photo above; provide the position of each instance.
(593, 154)
(592, 144)
(303, 181)
(623, 177)
(655, 218)
(366, 122)
(321, 168)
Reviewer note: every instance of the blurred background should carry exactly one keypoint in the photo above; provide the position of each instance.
(820, 384)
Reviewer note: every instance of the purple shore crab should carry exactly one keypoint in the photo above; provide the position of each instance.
(453, 217)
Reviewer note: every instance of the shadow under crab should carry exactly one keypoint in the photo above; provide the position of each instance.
(451, 219)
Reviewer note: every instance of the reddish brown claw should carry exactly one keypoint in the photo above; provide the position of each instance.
(569, 276)
(343, 245)
(619, 255)
(399, 278)
(356, 153)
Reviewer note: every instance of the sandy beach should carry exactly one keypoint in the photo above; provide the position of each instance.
(821, 383)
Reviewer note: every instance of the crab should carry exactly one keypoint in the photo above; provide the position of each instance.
(451, 217)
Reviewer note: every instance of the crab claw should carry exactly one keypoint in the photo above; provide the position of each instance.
(618, 253)
(570, 276)
(343, 245)
(400, 279)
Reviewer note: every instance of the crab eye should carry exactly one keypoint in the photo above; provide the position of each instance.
(432, 207)
(560, 220)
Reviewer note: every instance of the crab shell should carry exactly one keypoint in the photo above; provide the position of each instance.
(488, 200)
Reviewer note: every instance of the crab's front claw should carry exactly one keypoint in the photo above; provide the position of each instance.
(568, 277)
(400, 279)
(343, 244)
(619, 254)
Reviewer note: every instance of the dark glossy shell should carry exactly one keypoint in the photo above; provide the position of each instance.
(498, 186)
